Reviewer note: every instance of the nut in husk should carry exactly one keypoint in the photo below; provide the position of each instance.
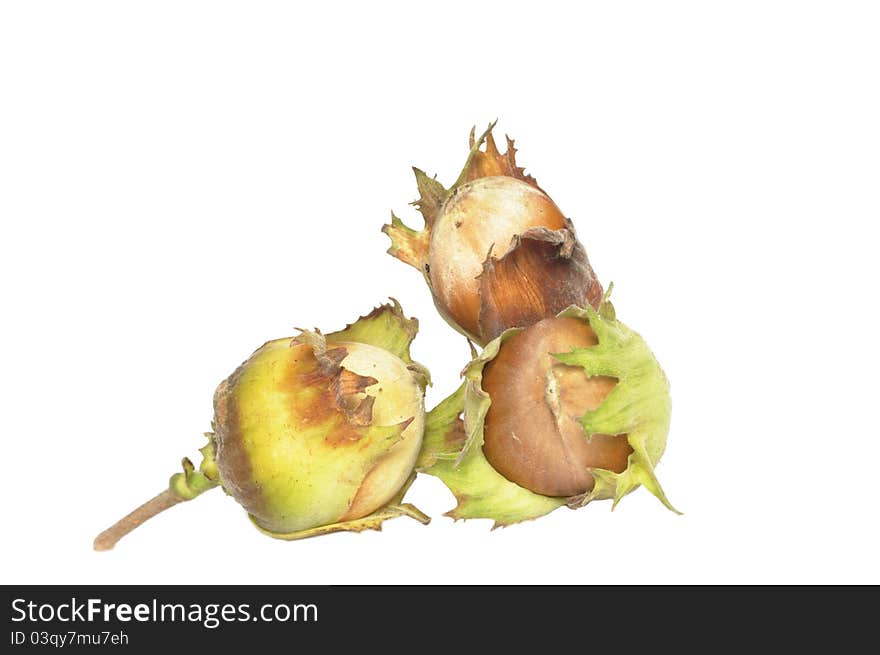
(495, 251)
(314, 433)
(571, 409)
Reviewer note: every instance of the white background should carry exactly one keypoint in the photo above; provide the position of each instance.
(181, 181)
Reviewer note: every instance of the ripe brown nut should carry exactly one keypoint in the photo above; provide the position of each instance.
(532, 434)
(569, 410)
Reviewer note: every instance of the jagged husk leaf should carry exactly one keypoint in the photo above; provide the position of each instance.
(372, 521)
(386, 327)
(444, 431)
(432, 195)
(490, 162)
(453, 452)
(638, 406)
(193, 482)
(408, 245)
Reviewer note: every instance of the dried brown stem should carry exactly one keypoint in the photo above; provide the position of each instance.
(107, 539)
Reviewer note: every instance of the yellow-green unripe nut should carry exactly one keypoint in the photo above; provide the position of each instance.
(306, 439)
(312, 434)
